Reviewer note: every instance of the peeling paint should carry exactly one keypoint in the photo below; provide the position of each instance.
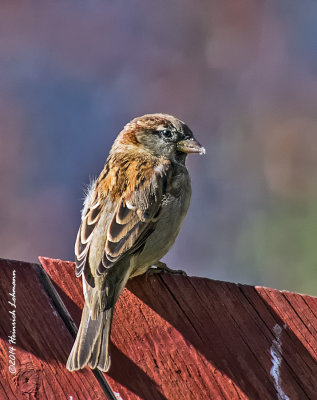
(276, 353)
(117, 394)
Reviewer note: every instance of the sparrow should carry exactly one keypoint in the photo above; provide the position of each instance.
(131, 217)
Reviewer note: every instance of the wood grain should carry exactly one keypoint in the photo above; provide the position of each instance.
(42, 343)
(180, 338)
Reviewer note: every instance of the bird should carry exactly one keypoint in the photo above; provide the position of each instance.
(131, 217)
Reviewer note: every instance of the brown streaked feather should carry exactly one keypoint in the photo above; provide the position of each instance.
(137, 189)
(134, 220)
(120, 181)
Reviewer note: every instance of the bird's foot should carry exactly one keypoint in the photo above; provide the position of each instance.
(160, 267)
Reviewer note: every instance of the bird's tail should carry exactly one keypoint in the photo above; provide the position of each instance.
(92, 342)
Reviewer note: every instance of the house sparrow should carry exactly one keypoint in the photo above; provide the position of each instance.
(131, 217)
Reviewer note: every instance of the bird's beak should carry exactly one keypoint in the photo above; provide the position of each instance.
(190, 146)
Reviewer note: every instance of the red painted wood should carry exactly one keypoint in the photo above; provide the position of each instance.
(42, 343)
(178, 337)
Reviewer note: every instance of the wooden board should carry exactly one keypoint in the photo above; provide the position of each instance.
(178, 337)
(33, 365)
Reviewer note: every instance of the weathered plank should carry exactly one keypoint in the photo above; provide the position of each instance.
(178, 337)
(32, 366)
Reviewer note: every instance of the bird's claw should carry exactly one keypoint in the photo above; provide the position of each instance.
(161, 267)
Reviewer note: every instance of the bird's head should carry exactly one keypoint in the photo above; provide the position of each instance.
(161, 135)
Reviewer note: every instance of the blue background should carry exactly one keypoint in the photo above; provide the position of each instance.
(242, 74)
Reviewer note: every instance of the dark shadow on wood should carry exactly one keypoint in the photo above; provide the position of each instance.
(210, 318)
(123, 369)
(128, 374)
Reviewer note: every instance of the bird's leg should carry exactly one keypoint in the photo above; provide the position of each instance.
(159, 267)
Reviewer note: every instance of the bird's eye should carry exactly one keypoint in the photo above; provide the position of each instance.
(166, 133)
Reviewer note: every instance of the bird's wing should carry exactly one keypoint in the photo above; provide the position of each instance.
(91, 214)
(131, 222)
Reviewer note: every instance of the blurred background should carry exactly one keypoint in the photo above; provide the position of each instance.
(242, 74)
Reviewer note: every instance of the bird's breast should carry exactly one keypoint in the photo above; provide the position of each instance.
(175, 204)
